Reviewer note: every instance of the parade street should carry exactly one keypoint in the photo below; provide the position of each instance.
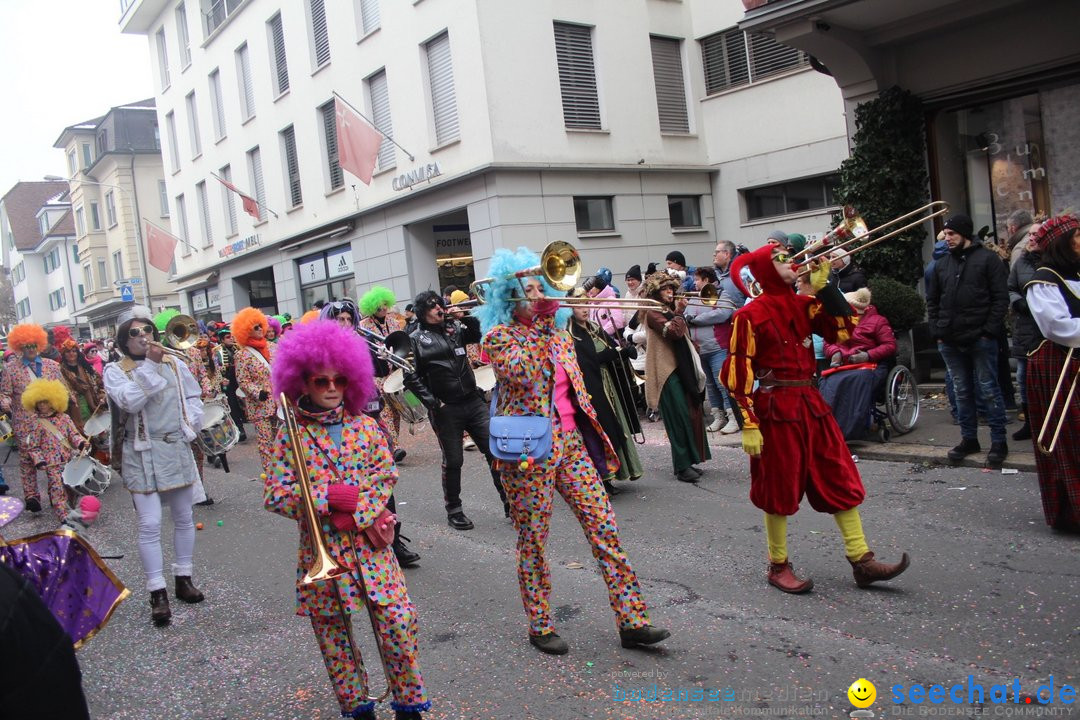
(991, 593)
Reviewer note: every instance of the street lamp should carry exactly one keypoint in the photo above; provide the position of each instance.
(138, 224)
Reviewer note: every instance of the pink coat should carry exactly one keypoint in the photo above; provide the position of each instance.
(610, 319)
(872, 335)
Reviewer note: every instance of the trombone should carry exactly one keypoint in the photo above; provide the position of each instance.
(707, 295)
(1039, 443)
(181, 334)
(393, 348)
(325, 568)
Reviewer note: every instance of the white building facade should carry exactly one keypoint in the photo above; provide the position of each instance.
(627, 129)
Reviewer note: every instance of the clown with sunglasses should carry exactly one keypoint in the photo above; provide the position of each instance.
(253, 377)
(794, 443)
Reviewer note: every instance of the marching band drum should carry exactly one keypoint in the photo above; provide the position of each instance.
(219, 433)
(404, 401)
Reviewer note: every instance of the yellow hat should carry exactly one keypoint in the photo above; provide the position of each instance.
(458, 296)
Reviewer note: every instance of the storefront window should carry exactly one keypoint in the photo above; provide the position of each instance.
(326, 276)
(453, 255)
(205, 304)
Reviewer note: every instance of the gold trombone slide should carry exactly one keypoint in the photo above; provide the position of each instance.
(1053, 406)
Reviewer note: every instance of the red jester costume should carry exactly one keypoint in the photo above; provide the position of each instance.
(795, 445)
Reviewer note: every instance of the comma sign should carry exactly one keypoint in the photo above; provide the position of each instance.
(416, 176)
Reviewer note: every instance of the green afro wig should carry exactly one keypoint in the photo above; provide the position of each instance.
(161, 320)
(375, 298)
(52, 391)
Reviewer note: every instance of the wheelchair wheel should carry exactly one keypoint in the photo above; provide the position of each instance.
(902, 399)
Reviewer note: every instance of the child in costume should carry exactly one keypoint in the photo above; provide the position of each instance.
(794, 443)
(325, 370)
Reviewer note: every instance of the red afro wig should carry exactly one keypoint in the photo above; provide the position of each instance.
(246, 319)
(319, 345)
(27, 334)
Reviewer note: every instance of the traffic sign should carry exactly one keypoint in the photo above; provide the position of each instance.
(135, 281)
(127, 281)
(127, 294)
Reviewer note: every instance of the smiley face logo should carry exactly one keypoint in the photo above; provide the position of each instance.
(862, 693)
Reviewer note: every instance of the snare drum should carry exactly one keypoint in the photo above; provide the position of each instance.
(404, 401)
(5, 428)
(485, 379)
(219, 433)
(98, 428)
(86, 476)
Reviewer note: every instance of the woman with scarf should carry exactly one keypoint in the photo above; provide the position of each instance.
(674, 379)
(92, 353)
(156, 414)
(539, 374)
(325, 370)
(596, 353)
(85, 384)
(375, 305)
(253, 377)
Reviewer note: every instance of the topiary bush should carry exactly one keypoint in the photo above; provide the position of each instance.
(901, 305)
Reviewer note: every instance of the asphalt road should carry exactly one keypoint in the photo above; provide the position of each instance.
(991, 593)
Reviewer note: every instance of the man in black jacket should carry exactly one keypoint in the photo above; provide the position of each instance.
(443, 380)
(966, 306)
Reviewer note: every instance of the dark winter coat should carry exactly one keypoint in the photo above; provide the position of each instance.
(1025, 333)
(969, 296)
(849, 279)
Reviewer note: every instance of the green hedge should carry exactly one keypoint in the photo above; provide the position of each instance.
(901, 305)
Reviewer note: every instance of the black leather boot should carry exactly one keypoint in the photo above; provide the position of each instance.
(967, 446)
(187, 591)
(160, 613)
(1024, 433)
(405, 556)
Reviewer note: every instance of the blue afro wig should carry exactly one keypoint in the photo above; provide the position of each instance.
(498, 308)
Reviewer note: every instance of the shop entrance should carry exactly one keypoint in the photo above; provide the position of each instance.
(453, 255)
(258, 290)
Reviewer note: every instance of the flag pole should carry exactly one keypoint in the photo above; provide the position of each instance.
(178, 238)
(238, 191)
(372, 124)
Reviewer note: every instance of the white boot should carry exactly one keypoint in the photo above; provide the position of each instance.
(732, 425)
(716, 420)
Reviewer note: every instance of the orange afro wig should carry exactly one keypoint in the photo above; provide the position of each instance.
(52, 391)
(27, 334)
(246, 319)
(309, 316)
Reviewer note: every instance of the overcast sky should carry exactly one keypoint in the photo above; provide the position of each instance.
(61, 62)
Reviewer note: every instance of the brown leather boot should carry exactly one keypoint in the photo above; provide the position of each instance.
(186, 591)
(782, 576)
(868, 570)
(160, 613)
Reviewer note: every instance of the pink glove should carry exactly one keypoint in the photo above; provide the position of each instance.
(89, 507)
(546, 308)
(343, 498)
(343, 521)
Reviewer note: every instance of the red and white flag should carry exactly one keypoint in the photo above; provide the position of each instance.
(160, 247)
(251, 205)
(358, 142)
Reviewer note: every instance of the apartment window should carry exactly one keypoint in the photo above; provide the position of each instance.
(22, 309)
(730, 62)
(103, 273)
(43, 224)
(88, 277)
(228, 201)
(379, 92)
(684, 211)
(163, 59)
(95, 216)
(217, 108)
(75, 253)
(163, 198)
(193, 125)
(333, 166)
(87, 155)
(19, 272)
(110, 208)
(204, 214)
(279, 67)
(182, 227)
(670, 87)
(256, 174)
(292, 166)
(57, 299)
(441, 78)
(52, 260)
(174, 149)
(594, 214)
(320, 38)
(182, 36)
(367, 12)
(118, 265)
(577, 76)
(795, 196)
(73, 164)
(243, 77)
(80, 222)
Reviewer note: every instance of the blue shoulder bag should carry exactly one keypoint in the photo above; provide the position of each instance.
(517, 437)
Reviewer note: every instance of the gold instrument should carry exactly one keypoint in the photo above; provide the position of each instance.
(181, 333)
(852, 230)
(394, 348)
(1053, 406)
(707, 295)
(325, 568)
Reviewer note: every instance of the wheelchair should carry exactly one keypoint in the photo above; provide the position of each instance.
(897, 406)
(890, 408)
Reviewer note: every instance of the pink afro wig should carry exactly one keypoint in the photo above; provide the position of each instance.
(274, 323)
(312, 347)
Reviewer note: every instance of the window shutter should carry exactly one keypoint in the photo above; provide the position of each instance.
(247, 95)
(181, 211)
(380, 114)
(333, 164)
(369, 15)
(292, 166)
(228, 198)
(724, 58)
(204, 214)
(163, 58)
(577, 76)
(281, 67)
(255, 158)
(768, 57)
(320, 37)
(218, 107)
(174, 149)
(443, 101)
(193, 125)
(670, 89)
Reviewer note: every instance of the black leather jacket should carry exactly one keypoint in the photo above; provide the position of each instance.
(443, 373)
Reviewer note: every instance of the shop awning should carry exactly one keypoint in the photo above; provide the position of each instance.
(195, 281)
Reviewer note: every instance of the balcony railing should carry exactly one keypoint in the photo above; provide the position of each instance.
(219, 11)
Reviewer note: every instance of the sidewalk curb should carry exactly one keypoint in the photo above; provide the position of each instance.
(907, 452)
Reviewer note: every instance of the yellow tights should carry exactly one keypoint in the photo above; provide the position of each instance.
(850, 529)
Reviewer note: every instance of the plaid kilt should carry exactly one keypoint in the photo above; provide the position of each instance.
(1059, 473)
